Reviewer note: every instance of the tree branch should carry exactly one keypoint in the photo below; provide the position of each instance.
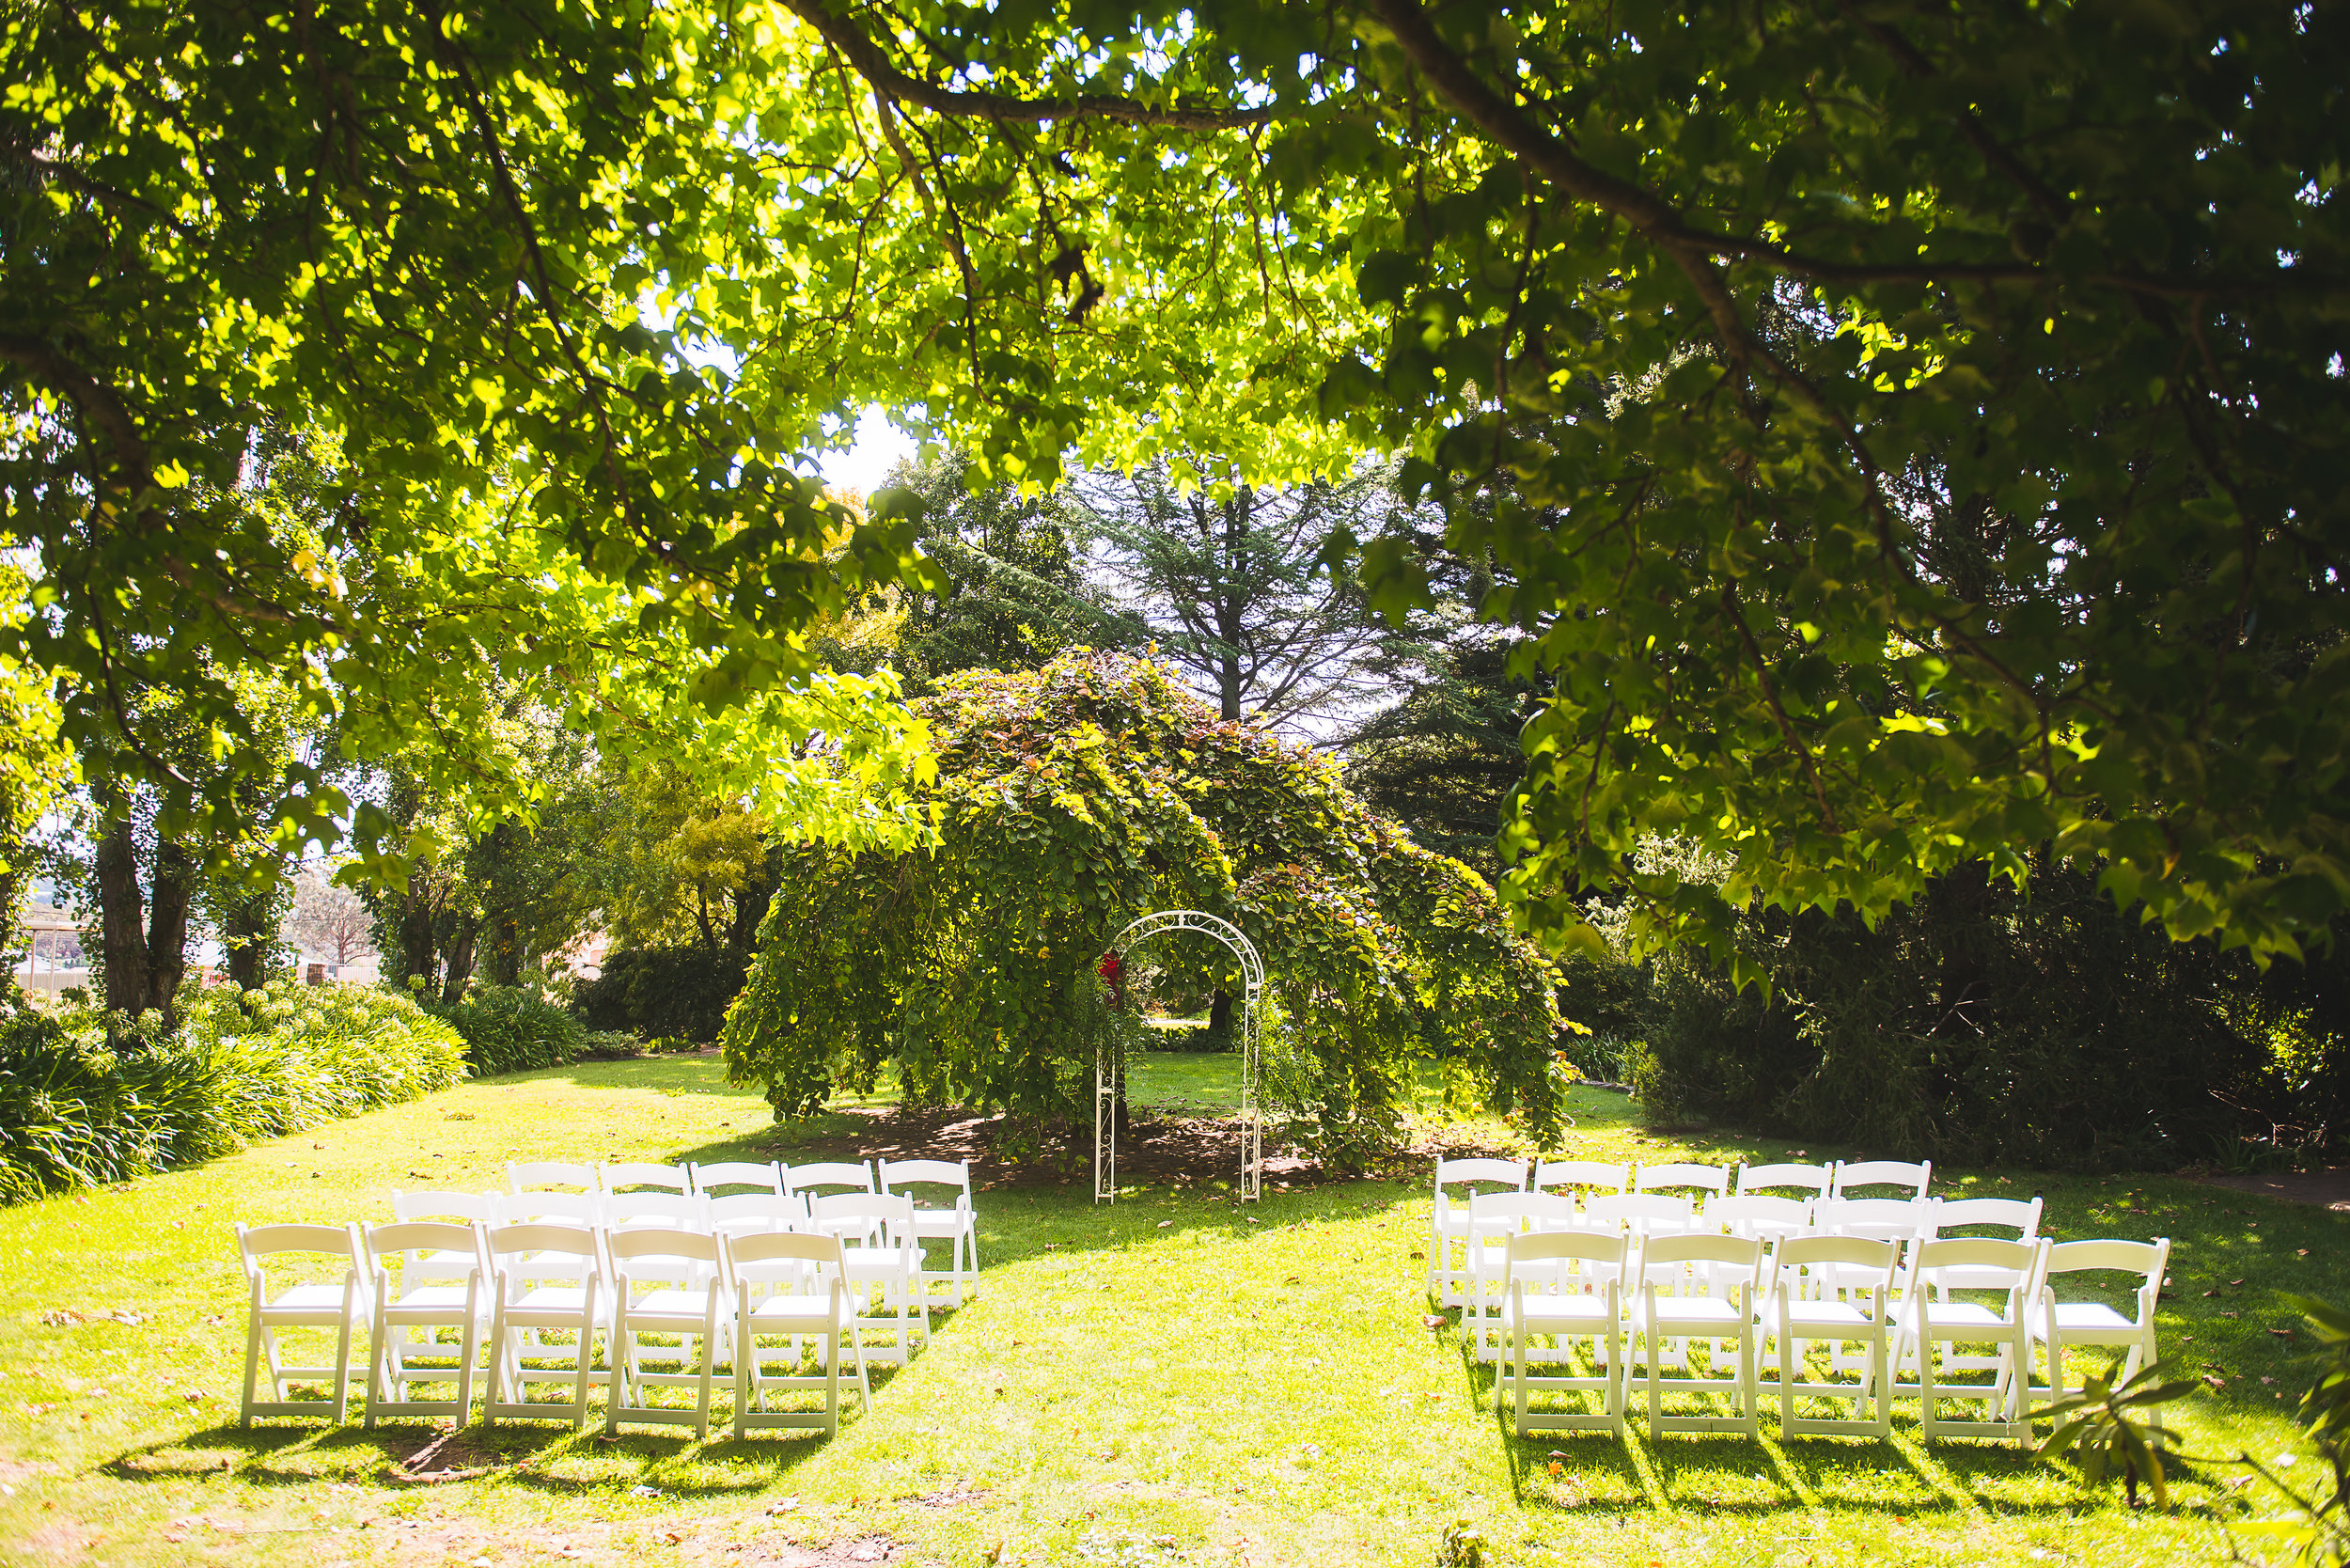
(877, 67)
(94, 397)
(1770, 694)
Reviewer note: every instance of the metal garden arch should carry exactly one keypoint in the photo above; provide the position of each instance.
(1109, 1071)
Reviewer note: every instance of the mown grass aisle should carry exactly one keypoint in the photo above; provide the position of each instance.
(1169, 1381)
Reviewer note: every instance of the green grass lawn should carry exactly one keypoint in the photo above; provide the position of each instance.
(1168, 1380)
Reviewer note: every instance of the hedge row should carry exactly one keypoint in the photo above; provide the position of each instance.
(77, 1112)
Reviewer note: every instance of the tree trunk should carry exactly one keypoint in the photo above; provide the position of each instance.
(459, 962)
(167, 928)
(1220, 1020)
(414, 930)
(505, 962)
(122, 923)
(245, 934)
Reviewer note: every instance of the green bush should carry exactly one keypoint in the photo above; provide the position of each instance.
(508, 1029)
(653, 991)
(77, 1112)
(1977, 1024)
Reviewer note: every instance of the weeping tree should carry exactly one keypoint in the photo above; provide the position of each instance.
(1068, 801)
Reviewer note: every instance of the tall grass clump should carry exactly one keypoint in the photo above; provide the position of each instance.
(508, 1029)
(78, 1111)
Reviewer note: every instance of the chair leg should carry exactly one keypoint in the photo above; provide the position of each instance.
(746, 1350)
(252, 1367)
(376, 1370)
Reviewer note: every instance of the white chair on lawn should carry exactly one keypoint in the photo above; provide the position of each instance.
(808, 1297)
(1881, 1173)
(808, 1183)
(879, 1253)
(544, 1279)
(340, 1306)
(1893, 1219)
(1975, 1215)
(1704, 1289)
(1712, 1181)
(954, 1222)
(413, 1304)
(1929, 1319)
(642, 1177)
(699, 1312)
(1582, 1176)
(1644, 1213)
(1448, 1220)
(750, 1214)
(465, 1208)
(753, 1175)
(2057, 1324)
(584, 1209)
(1563, 1285)
(658, 1211)
(1814, 1180)
(1840, 1290)
(1495, 1220)
(1766, 1219)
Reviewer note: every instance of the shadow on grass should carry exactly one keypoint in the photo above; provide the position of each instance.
(510, 1453)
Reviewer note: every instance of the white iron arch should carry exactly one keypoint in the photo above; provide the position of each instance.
(1108, 1072)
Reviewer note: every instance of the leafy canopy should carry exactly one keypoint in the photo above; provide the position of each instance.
(1071, 800)
(483, 275)
(1922, 424)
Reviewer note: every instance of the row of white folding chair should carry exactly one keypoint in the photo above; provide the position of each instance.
(1734, 1294)
(882, 1229)
(1494, 1217)
(740, 1212)
(529, 1282)
(952, 1222)
(1448, 1221)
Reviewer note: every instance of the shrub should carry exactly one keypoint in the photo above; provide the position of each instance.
(651, 991)
(1977, 1024)
(508, 1029)
(77, 1112)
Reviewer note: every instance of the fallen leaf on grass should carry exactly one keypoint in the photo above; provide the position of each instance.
(2300, 1251)
(2286, 1333)
(60, 1317)
(1433, 1320)
(1165, 1223)
(1418, 1253)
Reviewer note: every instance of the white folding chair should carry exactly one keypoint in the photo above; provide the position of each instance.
(1448, 1220)
(756, 1175)
(1766, 1219)
(2057, 1324)
(1712, 1180)
(1785, 1176)
(1893, 1219)
(748, 1214)
(659, 1210)
(1840, 1290)
(1494, 1219)
(1881, 1173)
(1644, 1214)
(1705, 1289)
(584, 1209)
(1929, 1319)
(955, 1222)
(536, 1175)
(1975, 1215)
(880, 1253)
(340, 1306)
(1582, 1176)
(544, 1279)
(1564, 1285)
(414, 1303)
(699, 1312)
(810, 1181)
(638, 1176)
(816, 1305)
(467, 1208)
